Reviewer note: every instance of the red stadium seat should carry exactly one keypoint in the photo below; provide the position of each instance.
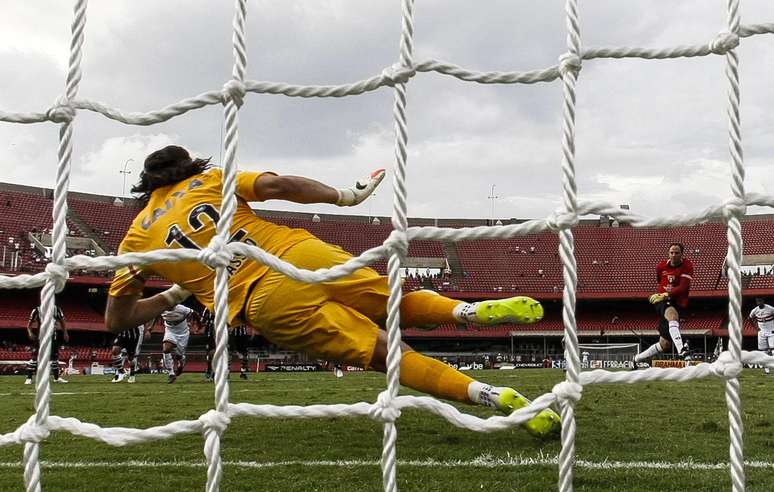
(611, 261)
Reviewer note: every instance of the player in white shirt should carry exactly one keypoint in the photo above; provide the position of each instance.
(763, 314)
(175, 341)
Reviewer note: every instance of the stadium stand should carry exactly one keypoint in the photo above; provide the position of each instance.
(102, 355)
(615, 265)
(107, 221)
(589, 324)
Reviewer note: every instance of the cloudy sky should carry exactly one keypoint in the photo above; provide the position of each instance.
(652, 134)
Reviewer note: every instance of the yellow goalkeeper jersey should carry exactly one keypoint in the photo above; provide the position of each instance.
(184, 215)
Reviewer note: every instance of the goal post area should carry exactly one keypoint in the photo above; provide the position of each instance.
(607, 355)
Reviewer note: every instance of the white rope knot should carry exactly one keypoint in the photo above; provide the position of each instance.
(215, 420)
(216, 254)
(724, 42)
(234, 90)
(57, 274)
(32, 432)
(382, 410)
(569, 62)
(397, 242)
(566, 391)
(61, 111)
(726, 366)
(734, 207)
(397, 74)
(560, 220)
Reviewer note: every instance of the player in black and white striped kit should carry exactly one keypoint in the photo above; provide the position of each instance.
(60, 335)
(763, 314)
(207, 320)
(128, 342)
(238, 341)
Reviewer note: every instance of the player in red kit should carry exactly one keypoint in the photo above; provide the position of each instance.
(674, 283)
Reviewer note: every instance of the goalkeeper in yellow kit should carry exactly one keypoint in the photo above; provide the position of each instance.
(338, 320)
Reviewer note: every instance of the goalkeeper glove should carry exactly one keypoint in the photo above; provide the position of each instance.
(175, 295)
(656, 298)
(354, 195)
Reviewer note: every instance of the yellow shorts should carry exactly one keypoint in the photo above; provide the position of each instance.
(336, 320)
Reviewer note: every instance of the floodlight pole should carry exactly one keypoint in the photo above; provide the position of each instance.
(125, 172)
(493, 197)
(370, 207)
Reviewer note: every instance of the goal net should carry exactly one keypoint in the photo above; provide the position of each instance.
(607, 355)
(389, 404)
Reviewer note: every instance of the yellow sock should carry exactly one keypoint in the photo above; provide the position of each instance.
(433, 377)
(426, 308)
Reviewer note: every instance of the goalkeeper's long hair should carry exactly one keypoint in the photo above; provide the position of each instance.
(165, 167)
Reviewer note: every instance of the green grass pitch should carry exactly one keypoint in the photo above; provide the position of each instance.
(647, 436)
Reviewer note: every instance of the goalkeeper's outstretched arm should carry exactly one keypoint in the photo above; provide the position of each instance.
(304, 190)
(125, 312)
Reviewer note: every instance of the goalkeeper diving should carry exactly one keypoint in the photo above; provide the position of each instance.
(340, 320)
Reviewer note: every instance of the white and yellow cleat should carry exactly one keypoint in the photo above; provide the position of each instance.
(521, 310)
(508, 400)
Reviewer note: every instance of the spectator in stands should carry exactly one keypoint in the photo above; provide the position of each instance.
(337, 320)
(763, 315)
(674, 283)
(60, 335)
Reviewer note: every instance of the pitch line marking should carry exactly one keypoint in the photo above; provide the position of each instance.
(480, 462)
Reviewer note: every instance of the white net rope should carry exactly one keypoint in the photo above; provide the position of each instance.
(388, 406)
